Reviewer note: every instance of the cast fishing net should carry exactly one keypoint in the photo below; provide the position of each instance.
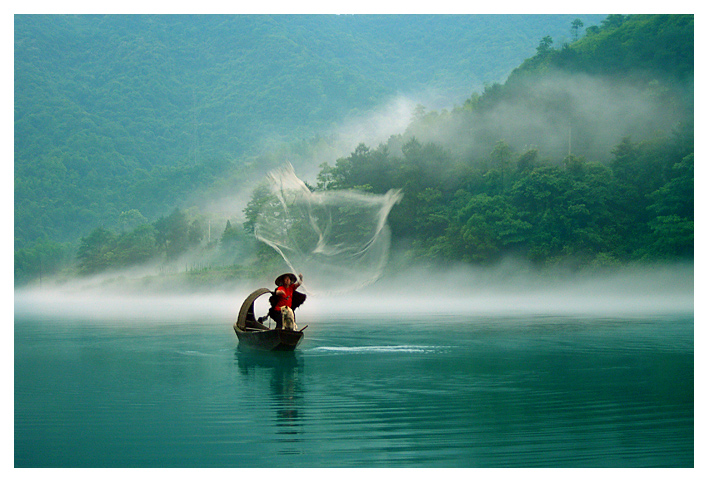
(338, 240)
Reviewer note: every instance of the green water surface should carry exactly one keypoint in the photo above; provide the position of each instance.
(360, 392)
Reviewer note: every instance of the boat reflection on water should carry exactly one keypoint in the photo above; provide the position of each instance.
(284, 372)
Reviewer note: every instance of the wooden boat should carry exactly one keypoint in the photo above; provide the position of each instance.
(254, 335)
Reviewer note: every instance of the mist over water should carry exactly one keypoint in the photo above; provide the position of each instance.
(454, 366)
(425, 368)
(509, 289)
(513, 287)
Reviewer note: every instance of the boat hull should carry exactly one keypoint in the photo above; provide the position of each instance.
(268, 340)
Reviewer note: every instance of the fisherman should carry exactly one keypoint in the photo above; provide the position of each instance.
(285, 295)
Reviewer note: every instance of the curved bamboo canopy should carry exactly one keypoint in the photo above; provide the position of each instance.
(243, 312)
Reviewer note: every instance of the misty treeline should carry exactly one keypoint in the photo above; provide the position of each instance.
(121, 112)
(169, 238)
(583, 156)
(639, 207)
(162, 245)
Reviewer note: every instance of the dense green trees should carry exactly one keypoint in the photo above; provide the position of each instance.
(672, 209)
(643, 47)
(638, 207)
(46, 257)
(470, 196)
(121, 112)
(165, 240)
(494, 177)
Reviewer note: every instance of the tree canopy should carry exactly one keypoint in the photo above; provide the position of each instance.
(583, 156)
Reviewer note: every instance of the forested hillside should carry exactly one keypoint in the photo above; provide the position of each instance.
(583, 156)
(122, 112)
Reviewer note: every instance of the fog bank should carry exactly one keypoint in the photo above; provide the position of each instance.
(507, 290)
(513, 289)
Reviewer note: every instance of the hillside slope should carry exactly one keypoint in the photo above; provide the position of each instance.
(114, 113)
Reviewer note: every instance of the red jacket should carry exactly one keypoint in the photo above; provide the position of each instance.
(286, 300)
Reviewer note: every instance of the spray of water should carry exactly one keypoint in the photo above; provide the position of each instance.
(339, 238)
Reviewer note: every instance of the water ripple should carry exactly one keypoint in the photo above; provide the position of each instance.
(378, 349)
(497, 394)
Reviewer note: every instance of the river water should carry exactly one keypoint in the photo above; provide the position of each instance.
(361, 391)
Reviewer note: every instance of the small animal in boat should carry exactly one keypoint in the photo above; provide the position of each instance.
(288, 318)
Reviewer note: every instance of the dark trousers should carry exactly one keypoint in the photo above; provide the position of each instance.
(276, 316)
